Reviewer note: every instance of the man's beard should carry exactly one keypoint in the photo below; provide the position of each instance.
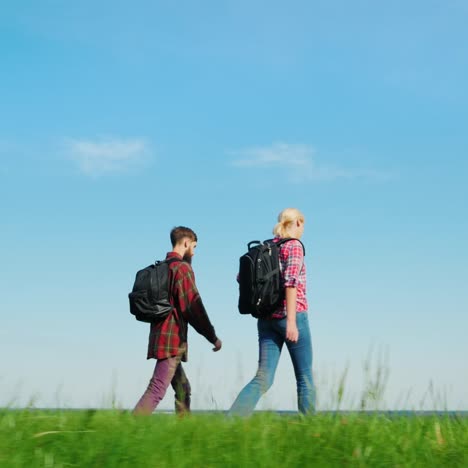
(187, 258)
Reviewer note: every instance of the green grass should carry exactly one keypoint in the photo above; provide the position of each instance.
(116, 438)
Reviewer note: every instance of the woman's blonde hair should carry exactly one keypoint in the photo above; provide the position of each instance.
(285, 219)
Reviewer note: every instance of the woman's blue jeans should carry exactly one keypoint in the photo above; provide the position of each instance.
(271, 338)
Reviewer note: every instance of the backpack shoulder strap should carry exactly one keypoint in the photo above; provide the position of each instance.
(169, 261)
(178, 319)
(178, 264)
(284, 240)
(173, 259)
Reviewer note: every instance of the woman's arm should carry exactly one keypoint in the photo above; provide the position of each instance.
(292, 333)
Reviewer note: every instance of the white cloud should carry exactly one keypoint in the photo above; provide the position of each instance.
(109, 155)
(276, 155)
(298, 160)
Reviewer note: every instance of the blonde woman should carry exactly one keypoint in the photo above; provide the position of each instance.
(288, 325)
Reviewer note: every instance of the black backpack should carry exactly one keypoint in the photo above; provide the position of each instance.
(149, 299)
(260, 288)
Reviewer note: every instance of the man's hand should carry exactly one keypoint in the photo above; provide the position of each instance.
(217, 346)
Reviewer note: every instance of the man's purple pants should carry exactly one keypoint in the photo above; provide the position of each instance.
(167, 371)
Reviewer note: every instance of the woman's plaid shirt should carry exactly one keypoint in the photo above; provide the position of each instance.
(168, 337)
(293, 273)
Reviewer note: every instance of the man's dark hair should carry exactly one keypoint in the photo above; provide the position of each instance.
(179, 232)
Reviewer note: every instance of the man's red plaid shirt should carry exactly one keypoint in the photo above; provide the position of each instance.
(167, 338)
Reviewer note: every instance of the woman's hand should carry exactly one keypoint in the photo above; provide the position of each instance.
(292, 333)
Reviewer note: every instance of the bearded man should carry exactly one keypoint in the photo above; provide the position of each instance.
(168, 338)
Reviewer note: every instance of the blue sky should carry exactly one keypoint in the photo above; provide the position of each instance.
(119, 121)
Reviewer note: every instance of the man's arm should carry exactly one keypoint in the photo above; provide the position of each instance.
(191, 305)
